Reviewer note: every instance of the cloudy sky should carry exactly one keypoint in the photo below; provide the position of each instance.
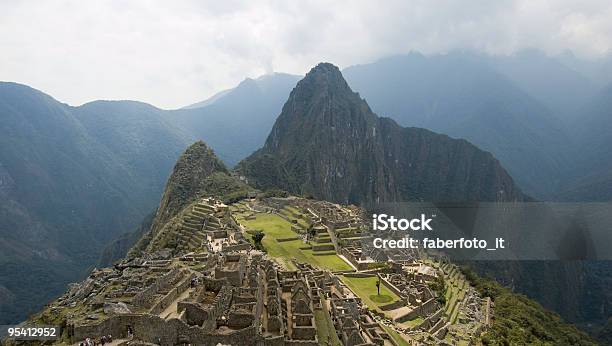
(173, 53)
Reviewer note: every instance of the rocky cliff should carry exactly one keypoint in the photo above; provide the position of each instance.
(327, 143)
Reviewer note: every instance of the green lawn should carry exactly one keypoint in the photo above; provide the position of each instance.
(276, 227)
(395, 336)
(325, 329)
(455, 293)
(381, 299)
(289, 211)
(412, 323)
(366, 287)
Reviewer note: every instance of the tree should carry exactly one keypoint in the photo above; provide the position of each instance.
(378, 286)
(312, 232)
(257, 238)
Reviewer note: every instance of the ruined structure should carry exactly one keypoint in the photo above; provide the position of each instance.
(201, 282)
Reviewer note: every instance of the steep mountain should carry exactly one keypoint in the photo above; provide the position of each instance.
(236, 122)
(186, 182)
(71, 179)
(462, 96)
(329, 144)
(196, 174)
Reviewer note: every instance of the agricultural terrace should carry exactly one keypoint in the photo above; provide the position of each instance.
(365, 288)
(284, 244)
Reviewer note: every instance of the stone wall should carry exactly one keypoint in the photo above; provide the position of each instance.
(414, 313)
(428, 307)
(195, 314)
(301, 343)
(116, 326)
(391, 287)
(240, 319)
(303, 333)
(146, 298)
(317, 247)
(359, 275)
(275, 341)
(171, 296)
(153, 329)
(395, 305)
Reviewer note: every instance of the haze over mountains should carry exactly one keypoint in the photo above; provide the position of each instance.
(591, 178)
(74, 178)
(460, 95)
(237, 122)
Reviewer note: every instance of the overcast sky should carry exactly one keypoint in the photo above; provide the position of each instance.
(174, 53)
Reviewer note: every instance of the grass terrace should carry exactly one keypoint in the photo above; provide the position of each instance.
(276, 228)
(326, 331)
(413, 323)
(294, 214)
(455, 292)
(396, 336)
(365, 288)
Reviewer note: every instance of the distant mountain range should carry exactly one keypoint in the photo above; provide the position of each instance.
(522, 108)
(463, 97)
(236, 121)
(591, 178)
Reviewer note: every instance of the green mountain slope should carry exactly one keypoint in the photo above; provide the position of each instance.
(70, 182)
(197, 173)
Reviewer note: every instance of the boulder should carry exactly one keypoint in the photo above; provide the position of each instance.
(116, 308)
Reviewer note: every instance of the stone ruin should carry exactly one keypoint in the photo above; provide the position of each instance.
(218, 290)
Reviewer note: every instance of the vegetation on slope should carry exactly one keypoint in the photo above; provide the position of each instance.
(198, 173)
(518, 320)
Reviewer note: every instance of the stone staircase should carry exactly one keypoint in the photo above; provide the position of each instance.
(196, 224)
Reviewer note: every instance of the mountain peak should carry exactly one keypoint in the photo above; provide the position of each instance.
(323, 87)
(325, 67)
(186, 181)
(325, 74)
(323, 79)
